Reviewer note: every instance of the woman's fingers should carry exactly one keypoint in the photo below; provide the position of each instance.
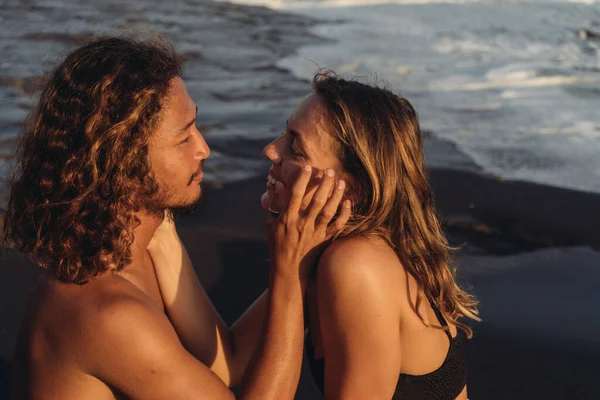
(311, 190)
(341, 220)
(331, 206)
(279, 191)
(324, 203)
(320, 197)
(297, 192)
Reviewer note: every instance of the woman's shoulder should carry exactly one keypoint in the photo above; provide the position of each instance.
(367, 261)
(359, 281)
(359, 250)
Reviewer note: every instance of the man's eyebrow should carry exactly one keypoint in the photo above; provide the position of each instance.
(187, 126)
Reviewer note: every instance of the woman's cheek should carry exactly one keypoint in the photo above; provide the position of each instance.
(289, 176)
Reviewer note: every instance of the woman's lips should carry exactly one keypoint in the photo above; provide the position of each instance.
(271, 181)
(270, 198)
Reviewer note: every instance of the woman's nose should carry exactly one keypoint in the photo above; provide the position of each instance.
(271, 152)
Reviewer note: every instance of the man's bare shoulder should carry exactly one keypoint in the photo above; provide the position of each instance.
(66, 333)
(111, 331)
(70, 314)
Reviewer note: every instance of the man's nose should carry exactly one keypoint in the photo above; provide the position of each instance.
(272, 153)
(203, 150)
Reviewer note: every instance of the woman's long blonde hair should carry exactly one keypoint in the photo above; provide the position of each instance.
(380, 146)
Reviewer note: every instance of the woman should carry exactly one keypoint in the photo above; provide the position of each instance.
(383, 306)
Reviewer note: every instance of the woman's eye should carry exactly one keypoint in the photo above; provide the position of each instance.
(187, 139)
(295, 152)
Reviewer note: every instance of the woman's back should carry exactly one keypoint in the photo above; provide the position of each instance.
(361, 320)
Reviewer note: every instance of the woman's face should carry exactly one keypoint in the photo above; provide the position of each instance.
(306, 140)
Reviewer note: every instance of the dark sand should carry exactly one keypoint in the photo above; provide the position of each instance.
(540, 335)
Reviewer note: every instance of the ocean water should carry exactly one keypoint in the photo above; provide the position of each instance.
(230, 70)
(514, 84)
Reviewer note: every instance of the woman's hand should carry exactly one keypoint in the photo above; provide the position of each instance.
(296, 236)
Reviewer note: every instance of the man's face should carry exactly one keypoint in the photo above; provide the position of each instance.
(176, 151)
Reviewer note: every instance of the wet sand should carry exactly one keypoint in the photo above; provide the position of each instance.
(540, 335)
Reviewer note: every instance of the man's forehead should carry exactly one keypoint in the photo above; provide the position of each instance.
(178, 111)
(178, 97)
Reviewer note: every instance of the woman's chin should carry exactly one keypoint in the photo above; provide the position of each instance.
(270, 200)
(264, 201)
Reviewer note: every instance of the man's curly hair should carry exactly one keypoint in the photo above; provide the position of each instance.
(82, 168)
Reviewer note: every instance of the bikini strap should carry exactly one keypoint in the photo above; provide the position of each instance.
(440, 318)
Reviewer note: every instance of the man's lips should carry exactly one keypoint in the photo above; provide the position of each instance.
(199, 174)
(197, 177)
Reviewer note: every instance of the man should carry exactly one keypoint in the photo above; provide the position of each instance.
(111, 146)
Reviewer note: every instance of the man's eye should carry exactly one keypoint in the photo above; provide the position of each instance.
(187, 139)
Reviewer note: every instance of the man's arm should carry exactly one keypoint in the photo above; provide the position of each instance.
(137, 351)
(201, 330)
(130, 345)
(227, 351)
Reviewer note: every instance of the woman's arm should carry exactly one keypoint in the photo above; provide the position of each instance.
(359, 323)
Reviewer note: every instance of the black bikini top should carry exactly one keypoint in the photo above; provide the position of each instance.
(445, 383)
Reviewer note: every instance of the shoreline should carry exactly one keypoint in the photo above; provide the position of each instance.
(531, 212)
(468, 199)
(528, 214)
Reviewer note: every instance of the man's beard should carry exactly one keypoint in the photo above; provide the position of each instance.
(161, 203)
(185, 209)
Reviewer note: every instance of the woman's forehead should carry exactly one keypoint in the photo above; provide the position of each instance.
(309, 118)
(310, 124)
